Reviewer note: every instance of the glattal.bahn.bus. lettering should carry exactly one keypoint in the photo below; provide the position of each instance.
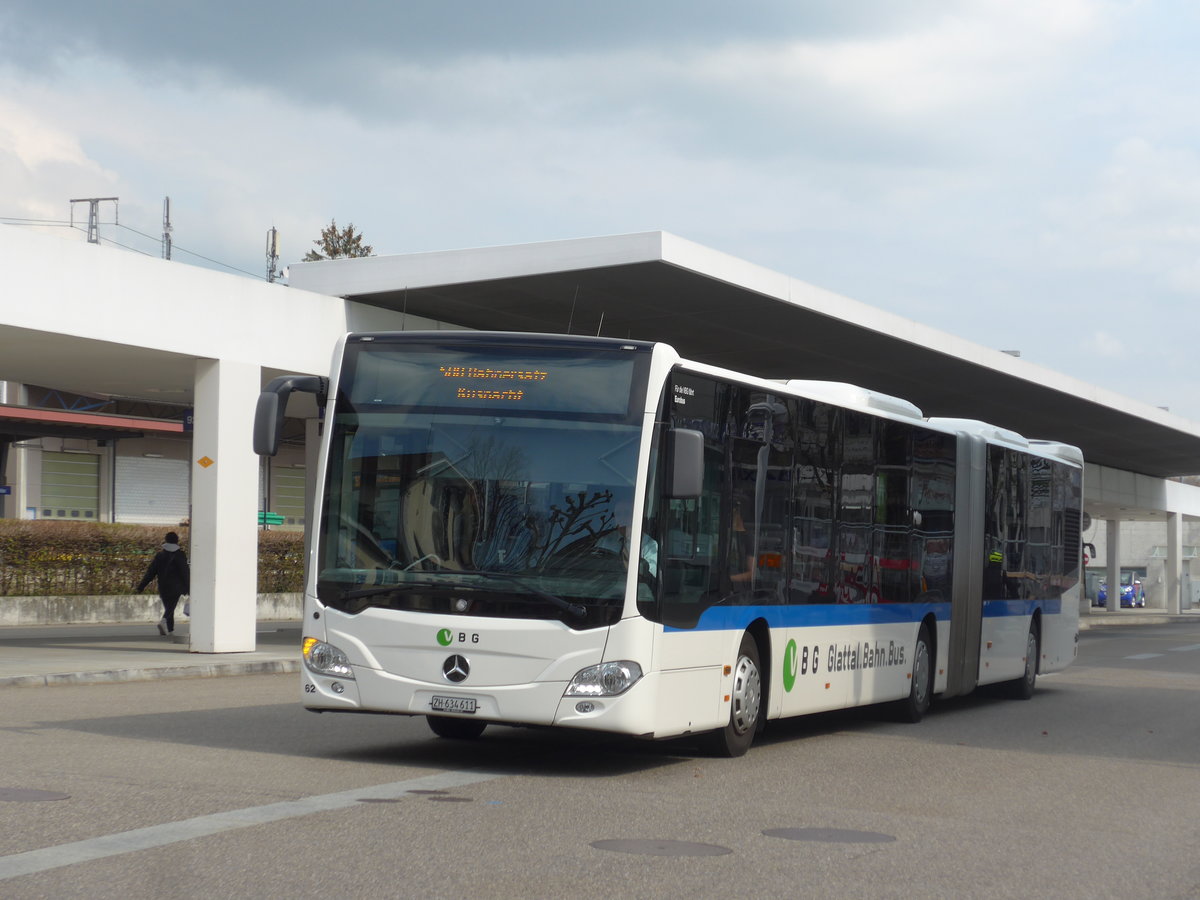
(845, 658)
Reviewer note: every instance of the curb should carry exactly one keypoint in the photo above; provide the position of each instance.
(1119, 619)
(120, 676)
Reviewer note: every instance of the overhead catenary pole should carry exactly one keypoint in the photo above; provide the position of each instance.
(93, 203)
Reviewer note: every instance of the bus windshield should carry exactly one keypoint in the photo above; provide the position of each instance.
(468, 480)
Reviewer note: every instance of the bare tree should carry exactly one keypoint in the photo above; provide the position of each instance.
(335, 243)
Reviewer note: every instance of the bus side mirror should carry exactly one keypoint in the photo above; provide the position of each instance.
(686, 449)
(272, 403)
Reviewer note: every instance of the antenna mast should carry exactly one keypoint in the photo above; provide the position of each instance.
(166, 239)
(272, 255)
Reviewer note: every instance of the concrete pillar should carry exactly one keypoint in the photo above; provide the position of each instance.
(1112, 538)
(224, 535)
(7, 503)
(12, 459)
(1174, 563)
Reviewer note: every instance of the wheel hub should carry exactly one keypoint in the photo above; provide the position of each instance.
(747, 695)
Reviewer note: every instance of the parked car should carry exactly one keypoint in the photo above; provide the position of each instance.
(1133, 596)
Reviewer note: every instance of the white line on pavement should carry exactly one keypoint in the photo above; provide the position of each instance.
(33, 861)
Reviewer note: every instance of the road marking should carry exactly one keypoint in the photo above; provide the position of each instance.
(1185, 649)
(33, 861)
(1144, 656)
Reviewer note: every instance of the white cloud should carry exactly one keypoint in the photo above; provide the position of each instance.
(970, 55)
(1137, 214)
(1106, 345)
(42, 164)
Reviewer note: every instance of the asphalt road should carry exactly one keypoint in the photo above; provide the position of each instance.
(226, 787)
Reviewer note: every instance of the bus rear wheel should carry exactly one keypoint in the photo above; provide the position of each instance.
(1022, 688)
(745, 702)
(920, 690)
(458, 729)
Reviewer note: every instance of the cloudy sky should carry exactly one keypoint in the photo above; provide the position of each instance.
(1021, 173)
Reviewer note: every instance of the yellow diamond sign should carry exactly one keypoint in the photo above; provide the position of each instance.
(204, 462)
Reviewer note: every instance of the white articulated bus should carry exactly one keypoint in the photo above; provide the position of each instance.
(597, 534)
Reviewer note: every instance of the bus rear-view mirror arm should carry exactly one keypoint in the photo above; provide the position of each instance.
(272, 404)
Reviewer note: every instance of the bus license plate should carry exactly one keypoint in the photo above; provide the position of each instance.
(453, 704)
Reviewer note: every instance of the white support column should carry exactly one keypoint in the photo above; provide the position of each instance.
(224, 539)
(1174, 563)
(1112, 537)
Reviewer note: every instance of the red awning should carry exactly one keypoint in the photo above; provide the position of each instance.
(29, 421)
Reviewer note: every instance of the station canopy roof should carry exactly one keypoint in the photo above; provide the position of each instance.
(721, 310)
(19, 423)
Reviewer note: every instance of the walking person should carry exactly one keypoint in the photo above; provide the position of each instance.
(170, 567)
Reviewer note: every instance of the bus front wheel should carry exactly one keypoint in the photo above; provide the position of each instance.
(459, 729)
(745, 701)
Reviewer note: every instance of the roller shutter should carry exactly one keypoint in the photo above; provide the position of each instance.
(151, 491)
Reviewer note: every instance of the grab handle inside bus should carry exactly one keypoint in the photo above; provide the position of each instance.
(687, 463)
(272, 404)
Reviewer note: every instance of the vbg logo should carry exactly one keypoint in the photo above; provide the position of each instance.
(446, 637)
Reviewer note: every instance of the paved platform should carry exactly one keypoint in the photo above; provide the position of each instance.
(44, 655)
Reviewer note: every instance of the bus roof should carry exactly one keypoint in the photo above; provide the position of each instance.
(854, 397)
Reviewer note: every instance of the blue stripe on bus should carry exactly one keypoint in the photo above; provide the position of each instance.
(1051, 606)
(728, 618)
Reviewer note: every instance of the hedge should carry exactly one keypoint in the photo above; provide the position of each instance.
(45, 558)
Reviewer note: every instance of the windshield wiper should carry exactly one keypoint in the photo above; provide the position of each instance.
(359, 593)
(574, 609)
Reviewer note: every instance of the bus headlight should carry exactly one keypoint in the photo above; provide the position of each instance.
(605, 680)
(326, 659)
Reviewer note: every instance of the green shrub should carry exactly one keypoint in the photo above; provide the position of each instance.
(45, 558)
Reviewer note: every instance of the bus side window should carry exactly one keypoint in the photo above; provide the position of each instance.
(995, 525)
(933, 510)
(854, 572)
(760, 448)
(814, 495)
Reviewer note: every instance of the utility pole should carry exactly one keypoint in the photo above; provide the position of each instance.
(272, 255)
(166, 240)
(93, 215)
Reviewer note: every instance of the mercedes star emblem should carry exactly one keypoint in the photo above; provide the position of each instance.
(456, 669)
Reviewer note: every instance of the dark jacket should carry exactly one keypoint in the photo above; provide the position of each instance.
(170, 567)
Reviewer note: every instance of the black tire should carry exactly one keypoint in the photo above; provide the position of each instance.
(456, 729)
(1022, 688)
(745, 706)
(920, 690)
